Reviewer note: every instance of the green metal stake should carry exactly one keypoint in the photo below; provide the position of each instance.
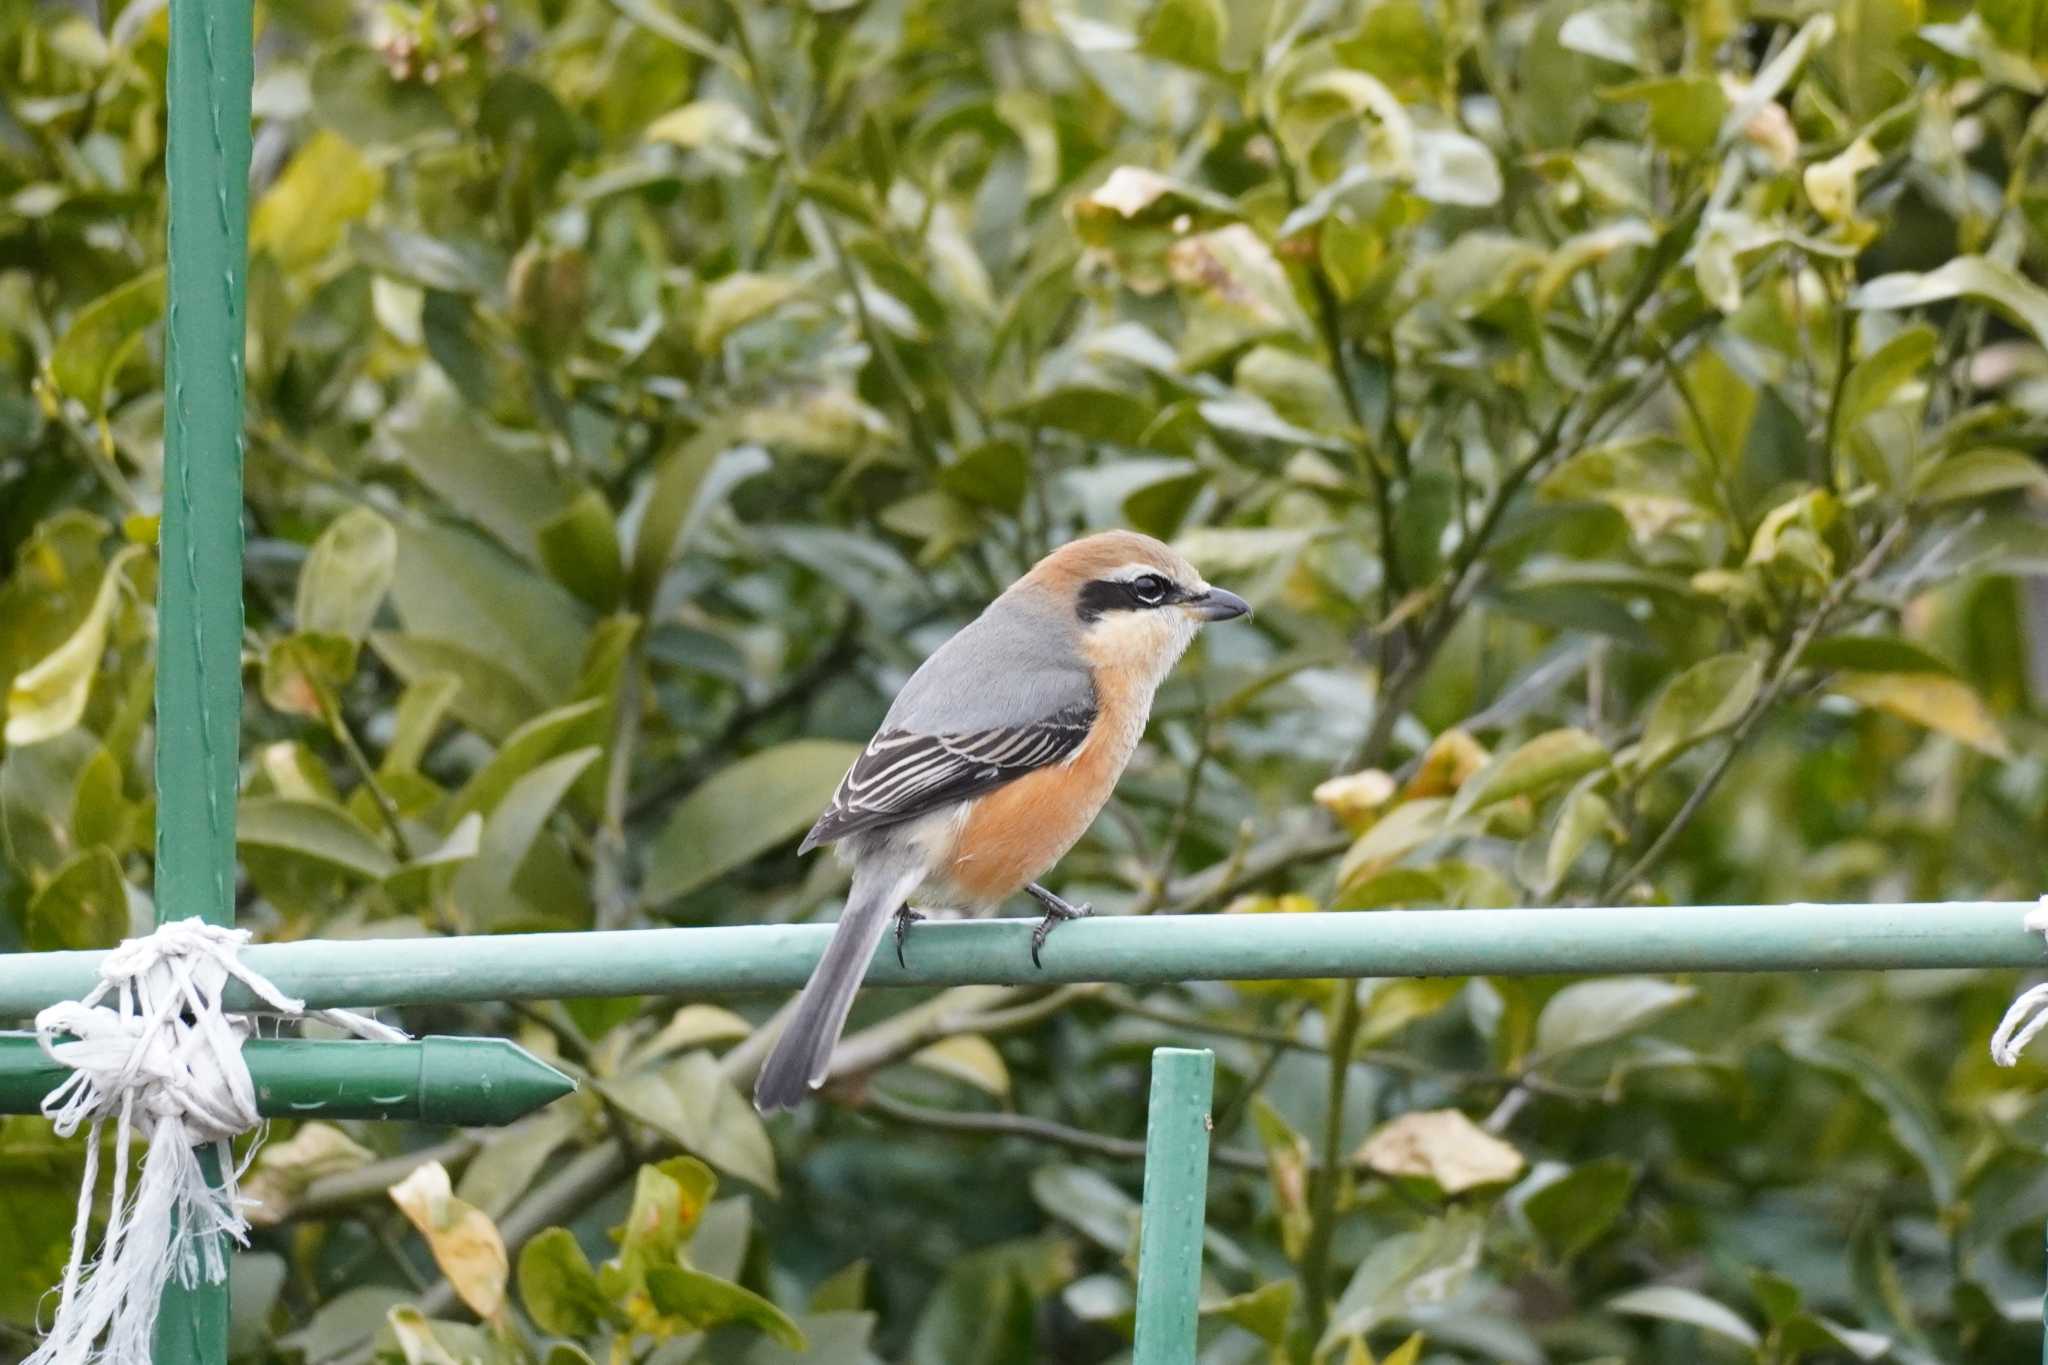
(1176, 1189)
(199, 605)
(468, 1082)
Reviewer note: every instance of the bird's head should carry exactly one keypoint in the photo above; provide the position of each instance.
(1135, 600)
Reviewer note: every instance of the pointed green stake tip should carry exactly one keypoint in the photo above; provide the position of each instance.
(475, 1082)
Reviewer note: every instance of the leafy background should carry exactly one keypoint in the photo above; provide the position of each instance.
(1626, 417)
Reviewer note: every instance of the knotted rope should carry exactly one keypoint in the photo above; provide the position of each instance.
(2029, 1014)
(160, 1057)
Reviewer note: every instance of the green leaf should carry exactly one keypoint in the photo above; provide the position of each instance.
(580, 549)
(658, 19)
(1264, 1312)
(691, 1101)
(1872, 654)
(994, 474)
(559, 1288)
(736, 300)
(1685, 111)
(1912, 1120)
(487, 697)
(1186, 32)
(843, 1291)
(326, 185)
(669, 1199)
(1612, 30)
(313, 830)
(1700, 702)
(1976, 277)
(1672, 1303)
(465, 268)
(742, 811)
(703, 1301)
(1881, 374)
(1402, 830)
(1585, 814)
(1456, 168)
(510, 1160)
(1979, 474)
(1090, 1203)
(1546, 761)
(1411, 1270)
(546, 736)
(1939, 701)
(346, 574)
(84, 906)
(693, 480)
(102, 334)
(1572, 1211)
(48, 697)
(1589, 1012)
(503, 481)
(484, 889)
(457, 588)
(1094, 414)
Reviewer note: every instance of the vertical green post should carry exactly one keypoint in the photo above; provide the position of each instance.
(1170, 1226)
(199, 603)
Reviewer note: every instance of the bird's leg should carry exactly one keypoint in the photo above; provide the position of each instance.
(1057, 912)
(905, 917)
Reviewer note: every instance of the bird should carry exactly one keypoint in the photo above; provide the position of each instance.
(991, 763)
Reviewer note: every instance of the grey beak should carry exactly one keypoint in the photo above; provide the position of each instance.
(1218, 605)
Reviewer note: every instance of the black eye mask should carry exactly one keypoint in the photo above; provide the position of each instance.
(1133, 594)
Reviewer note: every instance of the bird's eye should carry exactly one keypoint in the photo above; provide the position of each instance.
(1150, 589)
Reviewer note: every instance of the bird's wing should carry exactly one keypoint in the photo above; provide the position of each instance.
(902, 775)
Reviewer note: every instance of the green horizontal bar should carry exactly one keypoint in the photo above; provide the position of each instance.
(470, 1082)
(1151, 949)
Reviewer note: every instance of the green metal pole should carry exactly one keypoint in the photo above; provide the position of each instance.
(199, 606)
(1176, 1193)
(1135, 949)
(469, 1082)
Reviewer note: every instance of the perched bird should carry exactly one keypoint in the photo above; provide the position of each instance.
(995, 757)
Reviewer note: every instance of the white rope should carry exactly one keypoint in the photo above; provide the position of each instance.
(2029, 1014)
(159, 1057)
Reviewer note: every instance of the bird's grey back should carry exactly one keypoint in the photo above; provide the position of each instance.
(1015, 664)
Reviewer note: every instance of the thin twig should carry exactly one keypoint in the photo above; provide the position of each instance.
(1322, 1227)
(1786, 663)
(1037, 1130)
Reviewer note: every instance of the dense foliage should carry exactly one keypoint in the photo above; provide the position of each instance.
(1625, 416)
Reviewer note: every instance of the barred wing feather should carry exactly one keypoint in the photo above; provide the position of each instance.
(902, 775)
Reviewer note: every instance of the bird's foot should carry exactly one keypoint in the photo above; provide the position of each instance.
(905, 917)
(1057, 912)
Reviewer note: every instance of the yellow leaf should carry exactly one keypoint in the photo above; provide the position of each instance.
(1831, 184)
(1935, 700)
(301, 217)
(49, 697)
(1441, 1145)
(971, 1058)
(1407, 1353)
(465, 1242)
(1356, 799)
(1451, 757)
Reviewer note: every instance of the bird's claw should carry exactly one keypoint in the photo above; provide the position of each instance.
(1057, 912)
(905, 917)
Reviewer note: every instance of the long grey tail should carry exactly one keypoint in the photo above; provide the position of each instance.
(802, 1056)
